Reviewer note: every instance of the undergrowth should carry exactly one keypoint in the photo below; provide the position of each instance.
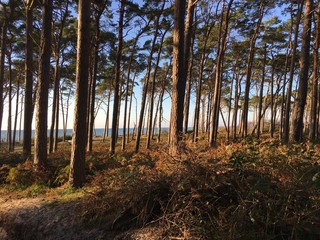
(246, 190)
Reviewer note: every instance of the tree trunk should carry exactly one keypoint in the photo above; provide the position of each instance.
(40, 142)
(261, 90)
(130, 105)
(28, 103)
(303, 75)
(2, 62)
(78, 150)
(188, 53)
(314, 100)
(9, 129)
(106, 126)
(286, 129)
(20, 120)
(54, 101)
(218, 76)
(249, 71)
(125, 139)
(94, 80)
(272, 101)
(153, 86)
(161, 101)
(199, 91)
(116, 100)
(16, 116)
(178, 78)
(146, 84)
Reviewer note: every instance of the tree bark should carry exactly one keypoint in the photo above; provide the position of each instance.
(2, 63)
(218, 76)
(55, 101)
(286, 129)
(94, 79)
(249, 71)
(188, 52)
(40, 143)
(314, 100)
(28, 102)
(146, 84)
(153, 86)
(178, 78)
(300, 102)
(116, 100)
(261, 90)
(78, 150)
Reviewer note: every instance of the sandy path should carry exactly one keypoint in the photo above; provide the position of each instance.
(41, 218)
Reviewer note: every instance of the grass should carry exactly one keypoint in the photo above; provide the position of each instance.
(245, 190)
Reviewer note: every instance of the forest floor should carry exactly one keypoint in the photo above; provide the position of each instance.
(246, 190)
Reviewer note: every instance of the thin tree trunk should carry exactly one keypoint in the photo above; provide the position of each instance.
(153, 87)
(9, 129)
(188, 52)
(261, 90)
(161, 101)
(229, 109)
(16, 116)
(146, 84)
(130, 105)
(272, 101)
(54, 102)
(125, 138)
(249, 71)
(117, 81)
(219, 69)
(20, 121)
(94, 80)
(106, 126)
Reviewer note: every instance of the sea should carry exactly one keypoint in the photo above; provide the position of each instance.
(98, 132)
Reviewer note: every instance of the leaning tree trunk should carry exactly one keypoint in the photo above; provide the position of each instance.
(153, 87)
(249, 71)
(161, 101)
(303, 76)
(16, 116)
(40, 142)
(261, 90)
(146, 84)
(125, 139)
(94, 80)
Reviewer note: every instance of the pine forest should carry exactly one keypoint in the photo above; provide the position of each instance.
(159, 119)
